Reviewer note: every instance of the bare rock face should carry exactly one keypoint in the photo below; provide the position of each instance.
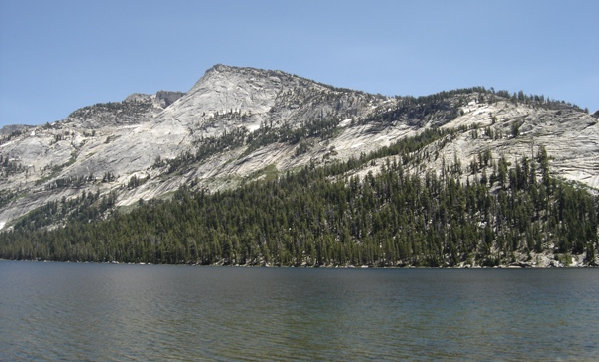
(238, 124)
(166, 98)
(570, 137)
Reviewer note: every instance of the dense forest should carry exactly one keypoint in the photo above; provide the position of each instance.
(326, 216)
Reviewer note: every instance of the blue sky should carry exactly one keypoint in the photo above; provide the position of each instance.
(57, 56)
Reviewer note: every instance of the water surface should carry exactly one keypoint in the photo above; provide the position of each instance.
(100, 311)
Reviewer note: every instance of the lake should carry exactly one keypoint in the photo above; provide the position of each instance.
(155, 312)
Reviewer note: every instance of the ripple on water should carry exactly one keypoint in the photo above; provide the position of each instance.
(115, 312)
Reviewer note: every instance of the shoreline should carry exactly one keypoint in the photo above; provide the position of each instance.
(501, 266)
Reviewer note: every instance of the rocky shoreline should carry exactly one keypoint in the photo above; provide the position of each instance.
(541, 263)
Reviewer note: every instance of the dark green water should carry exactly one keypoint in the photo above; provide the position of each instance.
(141, 312)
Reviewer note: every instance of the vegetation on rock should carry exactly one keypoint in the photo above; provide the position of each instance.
(320, 216)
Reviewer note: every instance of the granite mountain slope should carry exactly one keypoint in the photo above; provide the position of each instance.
(240, 124)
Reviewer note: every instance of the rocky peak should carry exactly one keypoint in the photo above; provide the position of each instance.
(160, 99)
(230, 90)
(166, 98)
(136, 108)
(229, 69)
(138, 97)
(259, 96)
(220, 68)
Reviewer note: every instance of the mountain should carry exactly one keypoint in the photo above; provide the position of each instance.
(238, 125)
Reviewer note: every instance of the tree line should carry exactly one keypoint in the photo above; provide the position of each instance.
(320, 216)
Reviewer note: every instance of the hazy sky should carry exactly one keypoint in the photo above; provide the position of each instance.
(57, 56)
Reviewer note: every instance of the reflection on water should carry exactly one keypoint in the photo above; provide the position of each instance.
(98, 312)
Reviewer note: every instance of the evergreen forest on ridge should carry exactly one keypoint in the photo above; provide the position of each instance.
(327, 216)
